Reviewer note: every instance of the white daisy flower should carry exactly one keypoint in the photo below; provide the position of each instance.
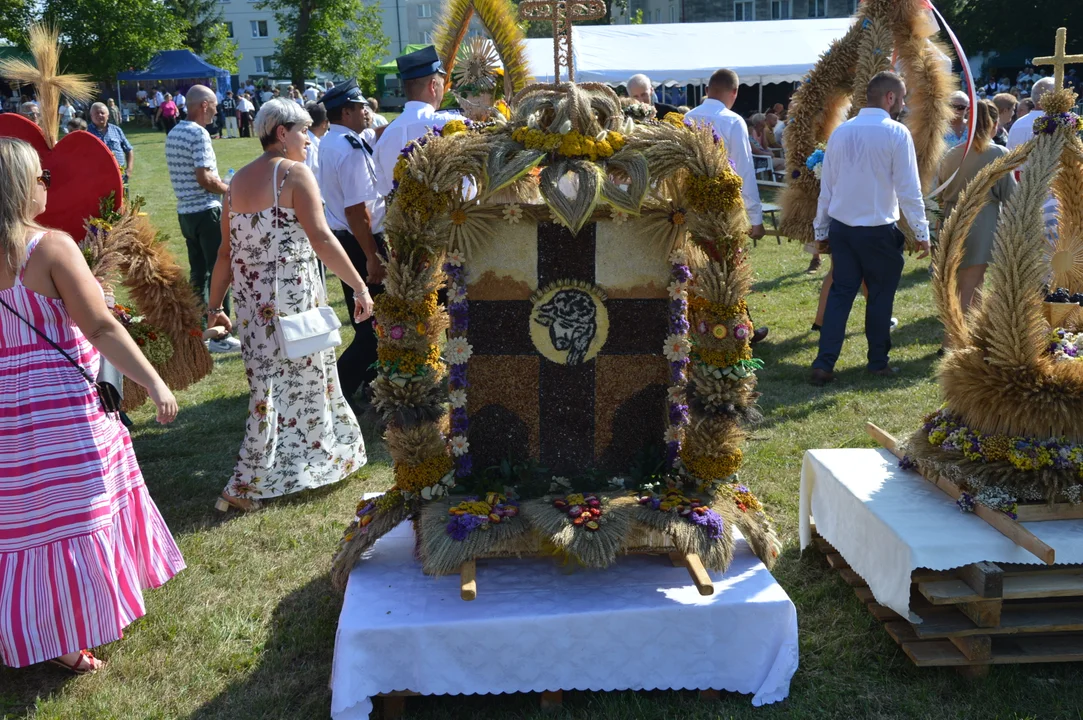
(678, 257)
(619, 216)
(677, 348)
(513, 213)
(456, 258)
(678, 290)
(673, 434)
(459, 446)
(457, 351)
(676, 394)
(456, 293)
(457, 398)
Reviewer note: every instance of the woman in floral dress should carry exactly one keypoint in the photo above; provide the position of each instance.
(300, 432)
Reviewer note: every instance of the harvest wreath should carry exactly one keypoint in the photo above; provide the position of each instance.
(567, 158)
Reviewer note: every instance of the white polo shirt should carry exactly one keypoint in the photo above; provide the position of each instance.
(734, 132)
(416, 120)
(346, 176)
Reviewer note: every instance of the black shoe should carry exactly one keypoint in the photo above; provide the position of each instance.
(814, 265)
(819, 377)
(759, 335)
(816, 328)
(884, 372)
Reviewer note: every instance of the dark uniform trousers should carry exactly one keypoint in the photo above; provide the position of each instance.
(356, 366)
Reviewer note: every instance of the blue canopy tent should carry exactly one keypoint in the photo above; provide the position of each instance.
(177, 65)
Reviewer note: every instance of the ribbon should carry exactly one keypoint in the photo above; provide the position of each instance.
(971, 90)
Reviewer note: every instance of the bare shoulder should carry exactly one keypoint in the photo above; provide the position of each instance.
(56, 245)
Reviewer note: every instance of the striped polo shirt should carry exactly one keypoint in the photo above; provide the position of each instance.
(187, 147)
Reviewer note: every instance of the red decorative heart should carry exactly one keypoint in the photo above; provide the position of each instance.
(83, 172)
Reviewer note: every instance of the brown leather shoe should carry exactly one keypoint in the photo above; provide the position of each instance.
(819, 377)
(814, 264)
(884, 372)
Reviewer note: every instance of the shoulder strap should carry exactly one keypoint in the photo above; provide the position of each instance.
(30, 246)
(49, 340)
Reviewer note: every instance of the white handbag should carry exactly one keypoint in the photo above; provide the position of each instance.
(309, 332)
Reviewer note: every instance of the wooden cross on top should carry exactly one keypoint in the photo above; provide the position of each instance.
(1058, 60)
(562, 13)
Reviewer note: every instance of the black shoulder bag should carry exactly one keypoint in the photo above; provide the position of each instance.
(107, 394)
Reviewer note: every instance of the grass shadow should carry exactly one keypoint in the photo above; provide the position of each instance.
(24, 687)
(291, 679)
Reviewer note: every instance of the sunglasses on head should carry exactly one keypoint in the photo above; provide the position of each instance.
(45, 178)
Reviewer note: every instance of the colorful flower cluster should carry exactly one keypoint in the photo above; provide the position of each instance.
(585, 510)
(369, 509)
(1065, 346)
(1048, 124)
(415, 478)
(457, 352)
(691, 509)
(676, 351)
(714, 194)
(705, 467)
(572, 144)
(405, 350)
(815, 161)
(474, 513)
(742, 497)
(947, 432)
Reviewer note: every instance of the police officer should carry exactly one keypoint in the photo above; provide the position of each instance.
(355, 212)
(422, 75)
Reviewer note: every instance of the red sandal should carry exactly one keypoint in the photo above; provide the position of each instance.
(85, 663)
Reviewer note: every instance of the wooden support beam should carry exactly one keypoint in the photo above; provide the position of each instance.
(677, 559)
(392, 707)
(552, 700)
(999, 521)
(699, 574)
(974, 647)
(468, 580)
(984, 614)
(985, 578)
(710, 695)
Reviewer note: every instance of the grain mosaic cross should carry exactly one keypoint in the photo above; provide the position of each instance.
(1059, 59)
(562, 13)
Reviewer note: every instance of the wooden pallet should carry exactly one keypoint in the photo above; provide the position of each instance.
(982, 614)
(392, 706)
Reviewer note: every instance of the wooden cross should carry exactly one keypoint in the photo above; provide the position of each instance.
(562, 13)
(45, 75)
(1058, 60)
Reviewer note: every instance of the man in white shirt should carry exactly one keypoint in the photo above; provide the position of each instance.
(870, 169)
(355, 212)
(1023, 128)
(179, 101)
(422, 75)
(310, 94)
(378, 120)
(316, 131)
(715, 110)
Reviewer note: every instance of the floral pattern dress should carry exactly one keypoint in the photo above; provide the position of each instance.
(300, 432)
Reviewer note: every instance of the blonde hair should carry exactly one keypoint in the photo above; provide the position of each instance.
(985, 124)
(19, 167)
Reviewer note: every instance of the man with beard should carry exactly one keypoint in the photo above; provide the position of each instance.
(869, 171)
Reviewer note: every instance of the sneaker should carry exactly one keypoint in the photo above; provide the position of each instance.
(814, 264)
(227, 344)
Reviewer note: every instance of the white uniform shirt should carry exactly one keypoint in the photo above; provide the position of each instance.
(312, 159)
(416, 119)
(378, 120)
(310, 94)
(179, 100)
(1023, 129)
(870, 169)
(347, 177)
(734, 132)
(245, 105)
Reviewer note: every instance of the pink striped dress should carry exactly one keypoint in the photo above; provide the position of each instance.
(80, 537)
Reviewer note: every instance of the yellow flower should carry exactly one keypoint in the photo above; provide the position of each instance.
(714, 194)
(458, 217)
(453, 127)
(414, 478)
(706, 467)
(674, 118)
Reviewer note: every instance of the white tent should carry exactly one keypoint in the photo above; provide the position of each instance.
(687, 53)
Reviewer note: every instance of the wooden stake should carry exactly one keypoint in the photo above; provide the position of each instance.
(699, 574)
(1006, 526)
(468, 580)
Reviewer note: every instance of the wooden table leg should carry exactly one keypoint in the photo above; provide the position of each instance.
(699, 574)
(468, 582)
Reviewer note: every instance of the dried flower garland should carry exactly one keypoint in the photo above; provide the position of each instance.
(677, 348)
(570, 144)
(692, 509)
(583, 510)
(458, 351)
(1049, 123)
(1065, 346)
(475, 513)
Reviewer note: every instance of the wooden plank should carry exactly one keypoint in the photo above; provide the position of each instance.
(934, 653)
(552, 700)
(925, 575)
(824, 546)
(997, 520)
(882, 613)
(391, 707)
(986, 579)
(974, 647)
(1014, 618)
(984, 614)
(1020, 569)
(900, 631)
(837, 562)
(852, 579)
(699, 574)
(1042, 512)
(948, 592)
(864, 594)
(468, 580)
(1038, 648)
(707, 695)
(677, 559)
(1016, 587)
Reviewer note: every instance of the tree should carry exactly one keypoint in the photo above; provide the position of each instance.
(339, 37)
(205, 31)
(15, 17)
(105, 37)
(1006, 25)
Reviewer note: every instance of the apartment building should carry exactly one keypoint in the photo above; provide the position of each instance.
(696, 11)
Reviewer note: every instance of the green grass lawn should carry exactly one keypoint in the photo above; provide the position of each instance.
(248, 630)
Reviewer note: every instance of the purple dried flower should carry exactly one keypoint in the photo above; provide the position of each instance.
(681, 273)
(460, 526)
(673, 449)
(457, 377)
(678, 414)
(464, 466)
(795, 174)
(965, 502)
(711, 521)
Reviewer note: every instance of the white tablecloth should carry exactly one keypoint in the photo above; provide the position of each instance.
(639, 625)
(887, 522)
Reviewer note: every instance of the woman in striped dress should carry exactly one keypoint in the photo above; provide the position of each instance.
(80, 537)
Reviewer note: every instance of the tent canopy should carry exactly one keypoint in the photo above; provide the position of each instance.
(771, 51)
(390, 68)
(174, 65)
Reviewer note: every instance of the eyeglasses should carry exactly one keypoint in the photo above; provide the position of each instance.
(960, 107)
(46, 178)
